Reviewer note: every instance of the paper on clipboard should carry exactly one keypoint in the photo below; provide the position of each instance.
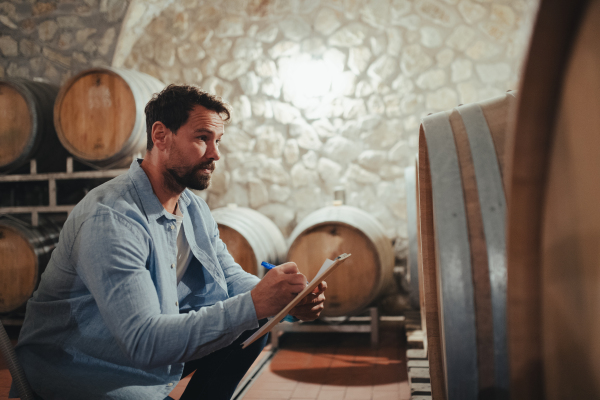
(326, 269)
(323, 268)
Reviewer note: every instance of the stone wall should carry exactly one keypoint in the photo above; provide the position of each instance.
(330, 93)
(326, 93)
(52, 40)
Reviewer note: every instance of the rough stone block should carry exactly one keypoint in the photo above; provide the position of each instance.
(431, 37)
(56, 57)
(432, 79)
(436, 12)
(47, 30)
(327, 21)
(233, 69)
(294, 28)
(351, 35)
(7, 22)
(462, 70)
(8, 46)
(359, 59)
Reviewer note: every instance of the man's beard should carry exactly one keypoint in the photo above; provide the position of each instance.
(178, 178)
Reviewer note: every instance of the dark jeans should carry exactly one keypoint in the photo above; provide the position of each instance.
(218, 374)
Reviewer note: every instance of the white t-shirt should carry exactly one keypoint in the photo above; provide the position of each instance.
(184, 254)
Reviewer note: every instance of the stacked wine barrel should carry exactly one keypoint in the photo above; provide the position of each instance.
(26, 128)
(462, 210)
(25, 252)
(250, 237)
(99, 115)
(331, 231)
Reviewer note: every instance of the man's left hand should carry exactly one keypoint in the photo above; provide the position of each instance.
(311, 306)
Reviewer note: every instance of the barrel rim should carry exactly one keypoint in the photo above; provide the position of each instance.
(453, 259)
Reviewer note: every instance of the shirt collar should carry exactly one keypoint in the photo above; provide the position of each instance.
(185, 197)
(152, 206)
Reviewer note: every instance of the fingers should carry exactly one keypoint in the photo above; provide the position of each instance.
(296, 279)
(307, 312)
(321, 288)
(288, 268)
(312, 299)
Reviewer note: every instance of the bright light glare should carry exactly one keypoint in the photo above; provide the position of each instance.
(306, 77)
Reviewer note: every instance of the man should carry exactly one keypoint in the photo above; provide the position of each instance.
(140, 290)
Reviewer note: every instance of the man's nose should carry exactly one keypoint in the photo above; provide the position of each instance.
(212, 152)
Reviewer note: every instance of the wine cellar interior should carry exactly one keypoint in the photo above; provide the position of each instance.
(450, 147)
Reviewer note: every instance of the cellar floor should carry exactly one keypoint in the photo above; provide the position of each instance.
(321, 366)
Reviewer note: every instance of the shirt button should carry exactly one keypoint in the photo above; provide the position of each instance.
(172, 266)
(170, 384)
(172, 227)
(177, 303)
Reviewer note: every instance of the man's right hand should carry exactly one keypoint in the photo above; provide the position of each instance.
(276, 289)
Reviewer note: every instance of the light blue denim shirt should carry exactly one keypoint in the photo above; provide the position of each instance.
(109, 320)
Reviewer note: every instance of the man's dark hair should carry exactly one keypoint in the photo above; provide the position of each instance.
(173, 104)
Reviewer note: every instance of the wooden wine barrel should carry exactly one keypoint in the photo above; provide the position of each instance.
(251, 238)
(25, 252)
(331, 231)
(26, 128)
(553, 224)
(430, 323)
(410, 178)
(462, 211)
(99, 115)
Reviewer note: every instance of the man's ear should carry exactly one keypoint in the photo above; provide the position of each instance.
(160, 135)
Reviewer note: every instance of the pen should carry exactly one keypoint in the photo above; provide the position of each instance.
(267, 265)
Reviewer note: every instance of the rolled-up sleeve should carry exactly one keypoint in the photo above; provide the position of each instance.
(110, 254)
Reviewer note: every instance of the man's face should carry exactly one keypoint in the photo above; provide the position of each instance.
(194, 150)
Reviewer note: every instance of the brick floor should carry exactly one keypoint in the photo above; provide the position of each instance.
(335, 366)
(320, 367)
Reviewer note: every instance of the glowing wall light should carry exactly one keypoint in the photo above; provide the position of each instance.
(305, 78)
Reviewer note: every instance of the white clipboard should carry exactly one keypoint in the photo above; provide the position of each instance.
(326, 269)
